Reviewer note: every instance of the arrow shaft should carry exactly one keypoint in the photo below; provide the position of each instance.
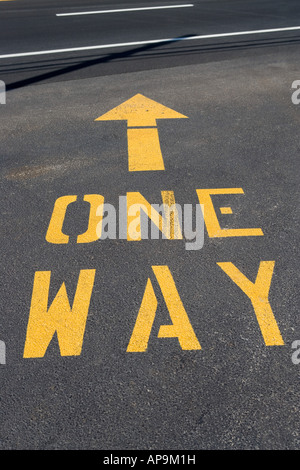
(144, 152)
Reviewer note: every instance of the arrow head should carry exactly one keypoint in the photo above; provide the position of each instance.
(140, 111)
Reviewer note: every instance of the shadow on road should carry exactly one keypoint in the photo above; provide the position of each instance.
(164, 54)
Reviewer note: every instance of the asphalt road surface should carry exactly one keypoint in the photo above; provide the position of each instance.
(146, 344)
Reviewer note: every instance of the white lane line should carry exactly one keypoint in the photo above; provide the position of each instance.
(99, 12)
(153, 41)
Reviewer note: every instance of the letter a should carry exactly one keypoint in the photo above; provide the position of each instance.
(68, 323)
(180, 328)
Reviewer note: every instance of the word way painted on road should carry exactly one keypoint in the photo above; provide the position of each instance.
(69, 322)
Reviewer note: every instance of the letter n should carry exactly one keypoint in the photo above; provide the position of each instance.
(69, 323)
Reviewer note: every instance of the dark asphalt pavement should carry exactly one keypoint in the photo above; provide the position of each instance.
(24, 28)
(242, 132)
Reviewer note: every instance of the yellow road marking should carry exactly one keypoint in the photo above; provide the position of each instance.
(95, 219)
(180, 328)
(258, 293)
(211, 220)
(68, 323)
(225, 210)
(144, 152)
(168, 225)
(140, 111)
(54, 233)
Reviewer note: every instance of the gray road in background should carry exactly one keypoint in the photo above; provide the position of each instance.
(242, 132)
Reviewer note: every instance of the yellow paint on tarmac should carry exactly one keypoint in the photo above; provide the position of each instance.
(180, 328)
(225, 210)
(69, 323)
(169, 225)
(140, 111)
(211, 220)
(258, 293)
(54, 233)
(144, 152)
(95, 219)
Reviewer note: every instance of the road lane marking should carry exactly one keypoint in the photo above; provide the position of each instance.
(225, 210)
(258, 293)
(96, 201)
(180, 328)
(169, 225)
(123, 10)
(144, 152)
(211, 219)
(148, 42)
(69, 323)
(54, 233)
(140, 111)
(130, 208)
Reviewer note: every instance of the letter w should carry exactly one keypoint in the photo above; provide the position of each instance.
(69, 323)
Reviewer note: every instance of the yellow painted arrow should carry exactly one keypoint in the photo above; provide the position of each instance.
(144, 152)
